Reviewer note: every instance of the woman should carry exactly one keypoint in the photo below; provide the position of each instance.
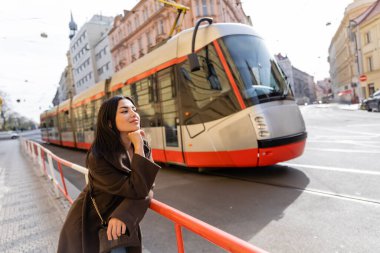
(121, 175)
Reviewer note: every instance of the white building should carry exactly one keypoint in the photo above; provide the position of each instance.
(103, 59)
(90, 54)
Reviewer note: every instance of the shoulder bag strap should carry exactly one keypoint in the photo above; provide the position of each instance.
(103, 222)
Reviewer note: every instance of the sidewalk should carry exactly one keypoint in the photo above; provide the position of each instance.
(30, 215)
(350, 107)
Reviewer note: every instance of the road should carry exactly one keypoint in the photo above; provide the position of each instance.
(327, 200)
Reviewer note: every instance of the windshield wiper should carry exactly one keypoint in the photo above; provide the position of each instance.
(280, 79)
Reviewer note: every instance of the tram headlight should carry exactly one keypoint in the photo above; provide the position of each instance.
(262, 130)
(263, 133)
(259, 119)
(261, 126)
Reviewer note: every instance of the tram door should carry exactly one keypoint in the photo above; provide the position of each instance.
(168, 107)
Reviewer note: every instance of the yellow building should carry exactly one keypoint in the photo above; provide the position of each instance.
(345, 67)
(367, 30)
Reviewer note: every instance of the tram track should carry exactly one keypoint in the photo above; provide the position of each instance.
(306, 190)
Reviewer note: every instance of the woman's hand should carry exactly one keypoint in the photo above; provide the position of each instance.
(136, 138)
(115, 229)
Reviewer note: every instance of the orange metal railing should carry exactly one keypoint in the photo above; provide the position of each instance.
(216, 236)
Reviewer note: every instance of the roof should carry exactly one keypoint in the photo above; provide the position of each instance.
(372, 11)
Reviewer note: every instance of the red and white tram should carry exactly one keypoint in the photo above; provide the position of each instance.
(237, 110)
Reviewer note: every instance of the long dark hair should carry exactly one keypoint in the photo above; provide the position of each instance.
(107, 143)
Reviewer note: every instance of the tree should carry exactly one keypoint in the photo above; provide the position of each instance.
(5, 109)
(10, 120)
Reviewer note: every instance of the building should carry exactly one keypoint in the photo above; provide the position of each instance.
(138, 31)
(366, 31)
(90, 55)
(304, 91)
(344, 54)
(301, 83)
(104, 66)
(66, 88)
(323, 90)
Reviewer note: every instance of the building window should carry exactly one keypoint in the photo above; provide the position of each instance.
(371, 88)
(212, 3)
(137, 21)
(145, 14)
(133, 49)
(129, 28)
(368, 37)
(204, 7)
(370, 63)
(160, 27)
(148, 39)
(198, 13)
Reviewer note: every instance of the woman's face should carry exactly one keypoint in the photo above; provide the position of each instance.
(127, 119)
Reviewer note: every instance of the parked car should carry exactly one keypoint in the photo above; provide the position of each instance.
(373, 102)
(8, 135)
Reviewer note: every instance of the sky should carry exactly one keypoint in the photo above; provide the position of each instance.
(31, 66)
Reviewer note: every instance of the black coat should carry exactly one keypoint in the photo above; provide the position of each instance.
(121, 191)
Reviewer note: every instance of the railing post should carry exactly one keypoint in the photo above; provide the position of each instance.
(29, 149)
(86, 178)
(24, 146)
(40, 160)
(51, 166)
(178, 233)
(62, 178)
(43, 161)
(33, 153)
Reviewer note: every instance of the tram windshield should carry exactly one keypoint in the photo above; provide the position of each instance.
(260, 78)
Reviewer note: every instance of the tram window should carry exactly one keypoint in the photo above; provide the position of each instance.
(143, 91)
(257, 75)
(206, 92)
(88, 116)
(126, 91)
(97, 104)
(167, 98)
(64, 121)
(78, 119)
(118, 92)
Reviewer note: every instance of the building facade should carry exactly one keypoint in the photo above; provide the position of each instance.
(90, 55)
(323, 90)
(366, 29)
(138, 31)
(304, 90)
(103, 59)
(344, 55)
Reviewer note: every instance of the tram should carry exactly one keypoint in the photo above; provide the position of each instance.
(220, 101)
